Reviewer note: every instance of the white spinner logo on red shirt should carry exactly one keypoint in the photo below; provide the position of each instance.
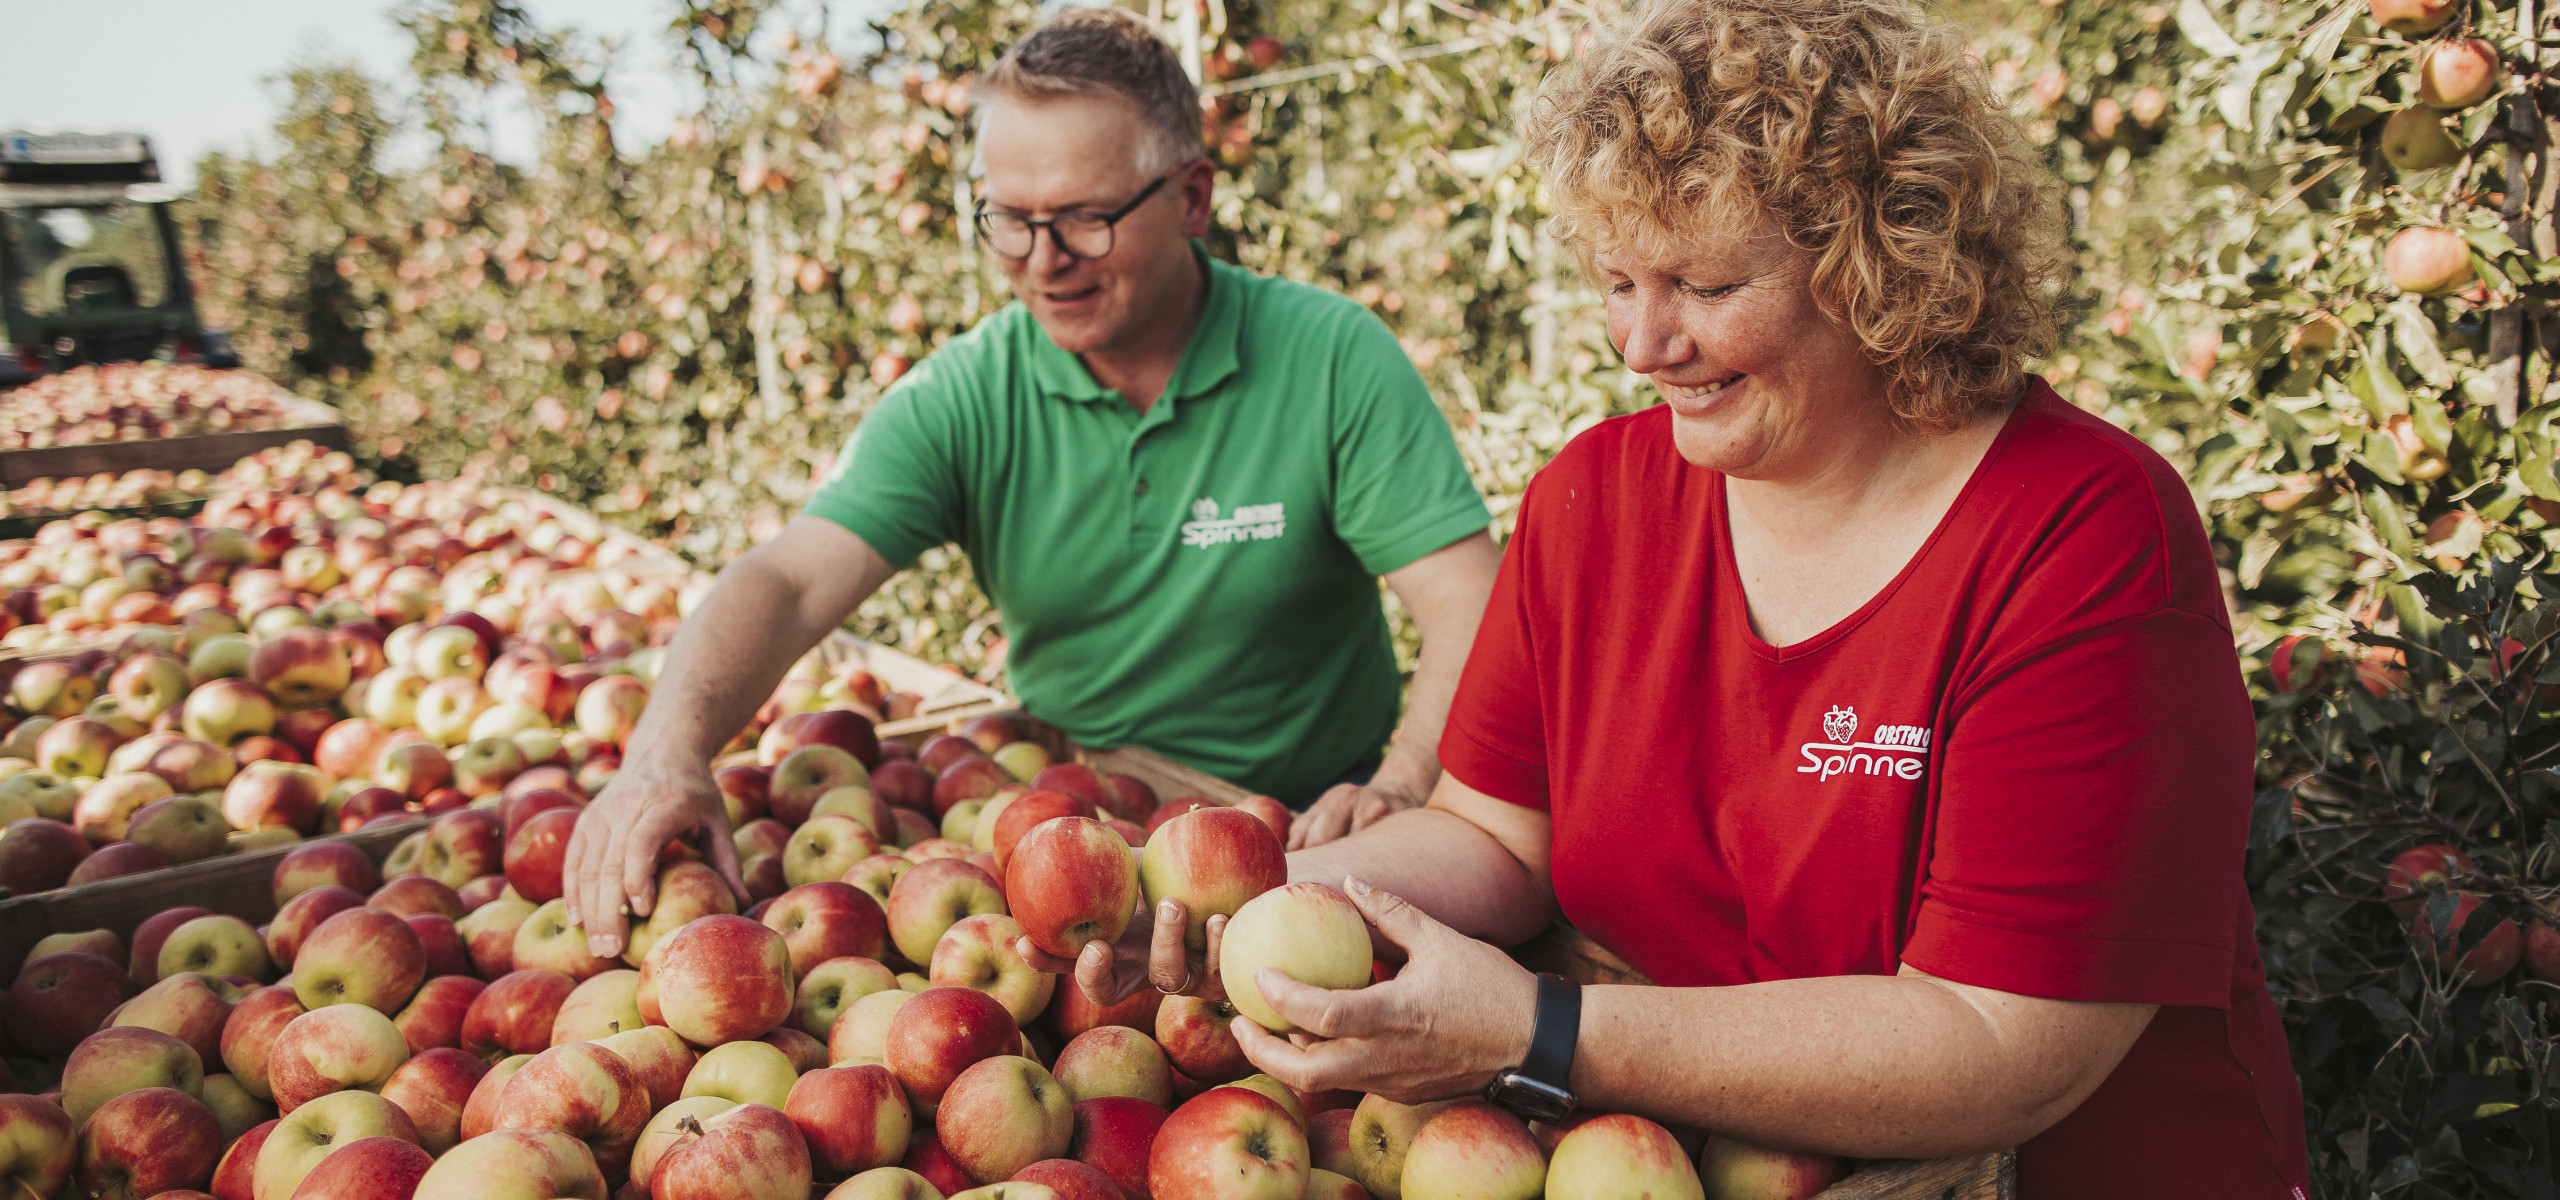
(1892, 751)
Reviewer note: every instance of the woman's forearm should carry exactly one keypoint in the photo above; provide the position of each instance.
(1444, 864)
(1870, 1066)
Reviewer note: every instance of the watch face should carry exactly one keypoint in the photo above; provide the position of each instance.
(1529, 1099)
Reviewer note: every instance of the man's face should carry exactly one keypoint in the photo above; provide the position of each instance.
(1078, 154)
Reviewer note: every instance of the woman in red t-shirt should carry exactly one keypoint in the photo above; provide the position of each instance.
(1876, 701)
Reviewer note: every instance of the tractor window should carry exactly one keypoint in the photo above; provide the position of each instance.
(89, 258)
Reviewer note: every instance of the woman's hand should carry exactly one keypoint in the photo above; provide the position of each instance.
(1458, 1014)
(613, 850)
(1149, 953)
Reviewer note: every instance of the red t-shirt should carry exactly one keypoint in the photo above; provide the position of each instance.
(2024, 765)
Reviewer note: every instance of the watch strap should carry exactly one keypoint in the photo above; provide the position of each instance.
(1552, 1035)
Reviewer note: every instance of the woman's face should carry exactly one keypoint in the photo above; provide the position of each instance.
(1761, 384)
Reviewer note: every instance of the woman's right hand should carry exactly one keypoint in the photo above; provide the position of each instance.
(1150, 953)
(612, 864)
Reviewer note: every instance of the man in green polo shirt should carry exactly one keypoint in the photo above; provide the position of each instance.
(1179, 481)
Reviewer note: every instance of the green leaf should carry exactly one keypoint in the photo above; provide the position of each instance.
(2415, 336)
(2198, 24)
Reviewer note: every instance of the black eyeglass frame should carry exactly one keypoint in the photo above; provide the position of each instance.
(1110, 223)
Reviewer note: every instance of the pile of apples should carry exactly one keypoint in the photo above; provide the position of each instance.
(106, 489)
(435, 1028)
(131, 402)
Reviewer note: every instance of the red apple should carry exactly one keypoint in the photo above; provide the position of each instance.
(412, 768)
(324, 863)
(366, 1168)
(2427, 262)
(747, 1152)
(1071, 1180)
(321, 1130)
(490, 931)
(967, 779)
(413, 895)
(1212, 860)
(723, 978)
(1732, 1168)
(538, 852)
(339, 1048)
(820, 921)
(268, 794)
(927, 1159)
(1228, 1142)
(59, 999)
(982, 952)
(479, 1113)
(1195, 1037)
(585, 1091)
(116, 862)
(515, 1164)
(147, 1142)
(432, 1088)
(942, 1032)
(2412, 16)
(843, 729)
(514, 1014)
(1071, 1013)
(744, 789)
(435, 1015)
(234, 1176)
(37, 1146)
(189, 1006)
(903, 784)
(249, 1035)
(1475, 1151)
(1070, 880)
(1115, 1136)
(1115, 1060)
(1078, 780)
(38, 855)
(855, 1118)
(366, 804)
(1003, 1114)
(658, 1057)
(609, 709)
(361, 956)
(121, 1059)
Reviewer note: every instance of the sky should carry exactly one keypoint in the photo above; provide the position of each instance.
(202, 75)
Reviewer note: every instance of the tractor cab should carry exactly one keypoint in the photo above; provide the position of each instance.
(89, 259)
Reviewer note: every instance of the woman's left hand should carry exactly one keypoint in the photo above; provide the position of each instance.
(1457, 1015)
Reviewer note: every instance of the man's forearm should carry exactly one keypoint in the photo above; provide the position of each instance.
(1446, 593)
(725, 662)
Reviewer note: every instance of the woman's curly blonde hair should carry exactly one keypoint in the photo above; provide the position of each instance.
(1871, 138)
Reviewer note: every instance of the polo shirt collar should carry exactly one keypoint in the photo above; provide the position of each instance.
(1207, 361)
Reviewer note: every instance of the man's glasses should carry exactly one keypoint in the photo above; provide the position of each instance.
(1076, 234)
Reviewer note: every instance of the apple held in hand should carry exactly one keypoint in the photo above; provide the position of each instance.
(1212, 860)
(1071, 880)
(1228, 1143)
(1306, 931)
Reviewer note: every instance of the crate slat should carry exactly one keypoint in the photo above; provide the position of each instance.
(201, 451)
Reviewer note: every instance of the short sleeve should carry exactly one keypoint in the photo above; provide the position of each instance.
(896, 484)
(1400, 489)
(1495, 740)
(2094, 808)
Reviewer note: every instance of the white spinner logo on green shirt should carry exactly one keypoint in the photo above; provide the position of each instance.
(1251, 523)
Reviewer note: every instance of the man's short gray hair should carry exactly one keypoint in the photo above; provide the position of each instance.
(1108, 52)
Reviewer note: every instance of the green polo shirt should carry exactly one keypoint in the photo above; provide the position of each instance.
(1199, 579)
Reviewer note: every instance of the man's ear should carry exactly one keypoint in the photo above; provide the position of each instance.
(1199, 184)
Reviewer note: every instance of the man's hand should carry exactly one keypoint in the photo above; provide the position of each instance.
(613, 853)
(1346, 808)
(1149, 953)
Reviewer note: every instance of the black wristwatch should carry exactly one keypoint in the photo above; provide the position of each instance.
(1540, 1088)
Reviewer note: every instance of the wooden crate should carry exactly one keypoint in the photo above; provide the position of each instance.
(241, 885)
(308, 420)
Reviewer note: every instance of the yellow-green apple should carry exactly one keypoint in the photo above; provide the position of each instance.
(515, 1164)
(514, 1014)
(412, 768)
(833, 986)
(874, 876)
(134, 755)
(235, 1174)
(48, 795)
(746, 1152)
(980, 952)
(302, 914)
(960, 824)
(1003, 1114)
(967, 779)
(1733, 1170)
(344, 1047)
(391, 697)
(1621, 1155)
(764, 835)
(903, 784)
(928, 900)
(434, 1016)
(1070, 880)
(1115, 1060)
(490, 933)
(2427, 262)
(1306, 931)
(658, 1056)
(861, 805)
(233, 1108)
(686, 889)
(536, 854)
(150, 684)
(446, 708)
(667, 1128)
(1071, 1013)
(51, 688)
(449, 652)
(982, 832)
(366, 1167)
(721, 978)
(120, 1059)
(549, 941)
(2412, 16)
(145, 1143)
(102, 942)
(300, 668)
(322, 864)
(504, 719)
(861, 1031)
(215, 944)
(38, 855)
(319, 1129)
(249, 1035)
(77, 747)
(1381, 1133)
(825, 847)
(252, 841)
(1065, 1178)
(1330, 1185)
(185, 828)
(223, 711)
(190, 765)
(609, 709)
(824, 920)
(363, 956)
(116, 862)
(1228, 1142)
(1211, 860)
(151, 933)
(411, 895)
(854, 1117)
(485, 764)
(106, 808)
(1193, 1032)
(1472, 1150)
(480, 1111)
(583, 1090)
(747, 1072)
(189, 1006)
(432, 1087)
(940, 1033)
(805, 775)
(270, 794)
(598, 1008)
(220, 656)
(1022, 760)
(887, 1183)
